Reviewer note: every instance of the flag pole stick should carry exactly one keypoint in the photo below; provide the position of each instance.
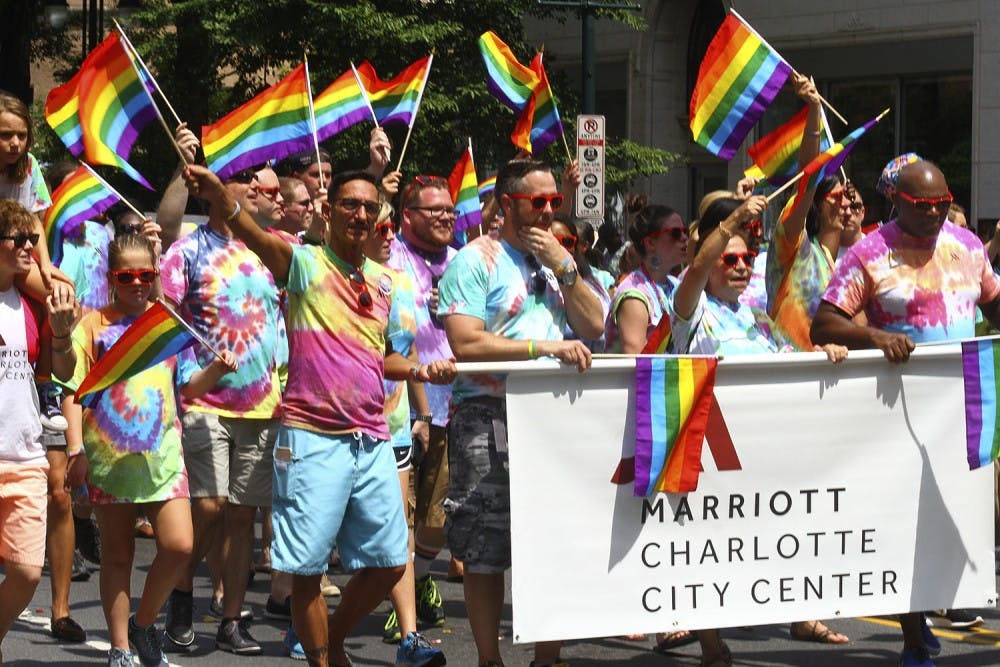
(113, 191)
(364, 93)
(784, 187)
(829, 136)
(197, 336)
(782, 58)
(312, 120)
(416, 108)
(145, 69)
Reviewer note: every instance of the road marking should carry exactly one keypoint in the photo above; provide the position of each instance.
(978, 636)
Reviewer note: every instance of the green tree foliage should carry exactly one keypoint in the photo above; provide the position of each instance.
(211, 56)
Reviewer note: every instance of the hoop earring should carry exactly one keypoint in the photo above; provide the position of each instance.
(654, 262)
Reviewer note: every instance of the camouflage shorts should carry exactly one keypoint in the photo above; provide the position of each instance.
(477, 529)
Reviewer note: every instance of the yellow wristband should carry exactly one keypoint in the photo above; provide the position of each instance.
(532, 353)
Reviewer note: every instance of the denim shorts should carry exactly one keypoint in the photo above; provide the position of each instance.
(477, 528)
(335, 489)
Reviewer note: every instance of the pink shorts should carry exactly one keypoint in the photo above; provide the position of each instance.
(23, 503)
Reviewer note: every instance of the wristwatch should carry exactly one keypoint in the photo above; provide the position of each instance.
(566, 274)
(424, 418)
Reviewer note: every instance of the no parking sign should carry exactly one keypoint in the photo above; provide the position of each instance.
(590, 155)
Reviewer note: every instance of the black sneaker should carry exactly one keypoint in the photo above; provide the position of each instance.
(180, 609)
(278, 611)
(215, 610)
(80, 570)
(234, 636)
(430, 609)
(50, 407)
(88, 539)
(146, 644)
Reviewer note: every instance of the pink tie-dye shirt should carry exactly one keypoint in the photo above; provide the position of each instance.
(925, 288)
(336, 346)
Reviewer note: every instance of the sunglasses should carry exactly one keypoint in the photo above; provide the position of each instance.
(269, 192)
(731, 258)
(538, 202)
(21, 238)
(129, 276)
(423, 180)
(245, 177)
(352, 205)
(676, 233)
(755, 227)
(538, 281)
(835, 196)
(361, 287)
(121, 230)
(857, 207)
(925, 204)
(384, 228)
(568, 242)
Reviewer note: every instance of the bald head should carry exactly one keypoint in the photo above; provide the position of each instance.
(922, 199)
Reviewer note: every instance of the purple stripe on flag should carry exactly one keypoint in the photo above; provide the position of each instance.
(643, 423)
(973, 401)
(753, 113)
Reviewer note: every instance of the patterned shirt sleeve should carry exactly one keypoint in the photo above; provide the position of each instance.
(849, 286)
(463, 287)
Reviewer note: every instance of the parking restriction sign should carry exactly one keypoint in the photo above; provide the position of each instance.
(590, 156)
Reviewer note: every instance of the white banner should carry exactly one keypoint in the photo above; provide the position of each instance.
(853, 498)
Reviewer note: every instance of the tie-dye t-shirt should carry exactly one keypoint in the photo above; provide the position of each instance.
(85, 261)
(336, 347)
(926, 288)
(718, 327)
(495, 283)
(227, 293)
(432, 343)
(31, 193)
(638, 285)
(798, 271)
(755, 295)
(401, 332)
(132, 436)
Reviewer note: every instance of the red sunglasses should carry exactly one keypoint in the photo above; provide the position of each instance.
(538, 202)
(270, 192)
(567, 241)
(676, 233)
(383, 229)
(129, 276)
(361, 287)
(731, 258)
(925, 204)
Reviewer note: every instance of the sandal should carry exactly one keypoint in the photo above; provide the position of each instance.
(668, 641)
(724, 658)
(815, 631)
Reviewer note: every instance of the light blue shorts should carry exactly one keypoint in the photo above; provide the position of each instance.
(335, 489)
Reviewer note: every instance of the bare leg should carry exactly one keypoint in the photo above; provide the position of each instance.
(403, 594)
(117, 526)
(237, 552)
(16, 590)
(366, 589)
(547, 653)
(172, 527)
(266, 536)
(60, 534)
(309, 618)
(484, 597)
(206, 514)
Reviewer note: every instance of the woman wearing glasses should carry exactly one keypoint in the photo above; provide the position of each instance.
(660, 238)
(573, 237)
(131, 437)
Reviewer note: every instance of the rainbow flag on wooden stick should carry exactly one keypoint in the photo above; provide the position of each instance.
(776, 156)
(539, 124)
(100, 112)
(340, 106)
(981, 368)
(737, 80)
(155, 336)
(79, 197)
(829, 161)
(272, 125)
(673, 397)
(398, 100)
(464, 189)
(507, 79)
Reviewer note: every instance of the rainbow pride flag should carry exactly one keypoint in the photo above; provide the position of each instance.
(673, 398)
(658, 341)
(507, 79)
(340, 106)
(100, 112)
(464, 189)
(79, 197)
(981, 369)
(155, 336)
(738, 78)
(487, 186)
(830, 160)
(398, 100)
(776, 156)
(539, 124)
(272, 125)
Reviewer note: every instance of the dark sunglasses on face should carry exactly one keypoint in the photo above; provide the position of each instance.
(21, 238)
(857, 207)
(383, 229)
(129, 276)
(568, 242)
(925, 204)
(245, 177)
(121, 230)
(361, 288)
(731, 258)
(538, 202)
(676, 233)
(352, 205)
